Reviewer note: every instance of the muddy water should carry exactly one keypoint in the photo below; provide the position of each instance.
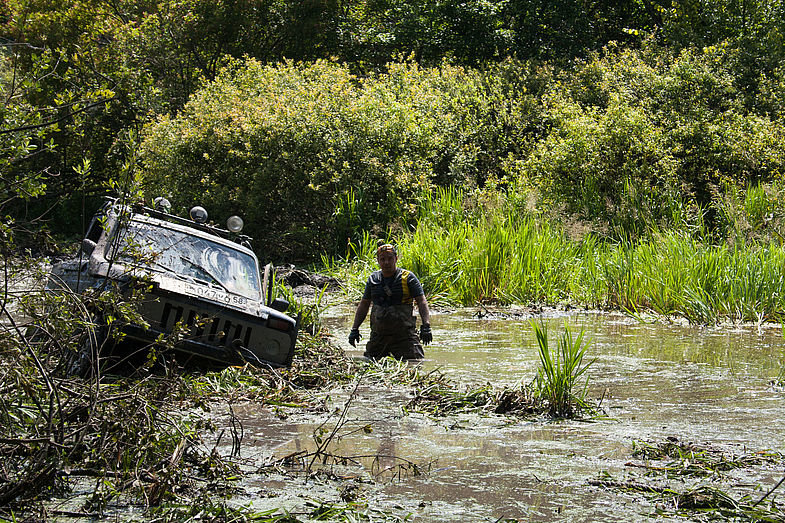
(698, 385)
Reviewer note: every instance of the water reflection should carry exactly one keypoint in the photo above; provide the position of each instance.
(701, 385)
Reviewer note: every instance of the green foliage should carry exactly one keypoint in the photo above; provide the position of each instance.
(559, 372)
(349, 216)
(26, 132)
(756, 24)
(632, 138)
(308, 311)
(752, 215)
(559, 29)
(630, 141)
(640, 136)
(472, 31)
(288, 145)
(183, 43)
(67, 98)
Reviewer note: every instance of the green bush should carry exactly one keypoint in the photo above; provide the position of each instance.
(314, 156)
(640, 137)
(287, 145)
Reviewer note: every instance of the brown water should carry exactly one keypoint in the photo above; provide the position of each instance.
(701, 385)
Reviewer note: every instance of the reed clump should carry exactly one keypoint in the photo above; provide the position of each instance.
(558, 379)
(434, 393)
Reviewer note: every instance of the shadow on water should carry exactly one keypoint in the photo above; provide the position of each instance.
(656, 381)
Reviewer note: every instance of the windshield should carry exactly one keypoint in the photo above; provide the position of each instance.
(168, 250)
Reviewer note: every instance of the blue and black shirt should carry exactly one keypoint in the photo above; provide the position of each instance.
(398, 289)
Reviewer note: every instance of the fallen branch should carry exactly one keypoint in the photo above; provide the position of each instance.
(769, 492)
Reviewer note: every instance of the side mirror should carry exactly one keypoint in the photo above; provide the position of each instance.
(279, 304)
(88, 246)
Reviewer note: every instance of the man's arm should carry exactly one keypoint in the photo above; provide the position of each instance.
(425, 330)
(422, 308)
(361, 313)
(359, 317)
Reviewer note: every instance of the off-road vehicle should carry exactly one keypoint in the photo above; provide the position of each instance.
(201, 282)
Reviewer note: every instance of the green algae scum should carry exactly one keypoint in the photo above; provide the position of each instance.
(674, 421)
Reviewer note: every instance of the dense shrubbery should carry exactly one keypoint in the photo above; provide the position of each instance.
(295, 145)
(652, 130)
(640, 136)
(627, 140)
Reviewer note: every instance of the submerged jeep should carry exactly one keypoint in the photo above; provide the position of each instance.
(200, 281)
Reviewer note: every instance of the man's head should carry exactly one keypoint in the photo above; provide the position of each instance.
(387, 256)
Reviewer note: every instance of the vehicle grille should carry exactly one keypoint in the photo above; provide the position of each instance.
(211, 326)
(213, 329)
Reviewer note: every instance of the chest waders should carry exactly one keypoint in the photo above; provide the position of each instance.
(393, 330)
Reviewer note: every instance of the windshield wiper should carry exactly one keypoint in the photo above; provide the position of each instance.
(207, 273)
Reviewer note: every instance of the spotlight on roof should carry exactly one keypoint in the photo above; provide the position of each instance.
(234, 224)
(161, 204)
(198, 214)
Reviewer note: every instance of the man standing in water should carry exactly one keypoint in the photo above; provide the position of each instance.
(391, 290)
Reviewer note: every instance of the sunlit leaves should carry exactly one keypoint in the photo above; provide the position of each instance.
(285, 143)
(640, 135)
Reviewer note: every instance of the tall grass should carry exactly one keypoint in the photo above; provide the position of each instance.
(672, 274)
(354, 268)
(557, 380)
(467, 254)
(492, 256)
(308, 312)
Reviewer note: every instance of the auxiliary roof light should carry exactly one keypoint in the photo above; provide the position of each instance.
(161, 204)
(234, 224)
(198, 214)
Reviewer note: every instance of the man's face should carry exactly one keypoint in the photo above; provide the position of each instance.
(387, 261)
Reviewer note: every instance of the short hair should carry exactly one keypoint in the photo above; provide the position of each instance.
(387, 247)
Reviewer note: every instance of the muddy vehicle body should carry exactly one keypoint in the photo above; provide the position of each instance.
(202, 282)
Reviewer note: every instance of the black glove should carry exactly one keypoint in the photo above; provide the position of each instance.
(354, 336)
(425, 334)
